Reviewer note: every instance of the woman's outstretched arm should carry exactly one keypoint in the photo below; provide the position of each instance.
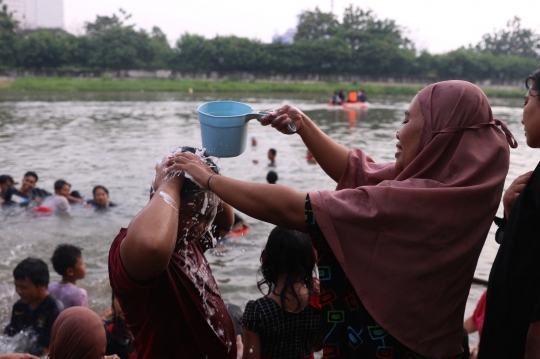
(280, 205)
(331, 156)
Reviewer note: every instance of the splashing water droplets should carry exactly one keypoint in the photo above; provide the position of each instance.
(205, 203)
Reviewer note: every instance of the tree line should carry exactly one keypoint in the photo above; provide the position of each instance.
(357, 44)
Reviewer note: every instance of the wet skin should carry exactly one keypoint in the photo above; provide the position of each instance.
(101, 197)
(29, 292)
(28, 183)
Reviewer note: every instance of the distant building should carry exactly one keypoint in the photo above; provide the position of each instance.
(286, 38)
(33, 14)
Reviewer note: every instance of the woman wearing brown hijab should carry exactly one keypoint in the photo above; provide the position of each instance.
(398, 242)
(78, 333)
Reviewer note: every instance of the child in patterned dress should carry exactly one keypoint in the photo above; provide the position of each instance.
(285, 323)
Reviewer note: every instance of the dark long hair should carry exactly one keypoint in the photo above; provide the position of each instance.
(291, 253)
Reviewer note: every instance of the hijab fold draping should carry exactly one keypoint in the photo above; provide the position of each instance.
(509, 136)
(409, 241)
(77, 333)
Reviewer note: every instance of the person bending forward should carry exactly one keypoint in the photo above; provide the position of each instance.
(162, 279)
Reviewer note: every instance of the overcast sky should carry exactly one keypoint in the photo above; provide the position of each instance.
(435, 25)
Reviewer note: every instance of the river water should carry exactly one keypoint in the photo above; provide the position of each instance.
(114, 139)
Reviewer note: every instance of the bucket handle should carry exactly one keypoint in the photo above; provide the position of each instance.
(260, 114)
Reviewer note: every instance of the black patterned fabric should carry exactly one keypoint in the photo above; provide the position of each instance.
(283, 334)
(349, 331)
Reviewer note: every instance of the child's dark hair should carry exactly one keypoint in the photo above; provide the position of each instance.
(6, 179)
(272, 177)
(64, 257)
(34, 269)
(99, 187)
(33, 174)
(58, 185)
(290, 253)
(189, 186)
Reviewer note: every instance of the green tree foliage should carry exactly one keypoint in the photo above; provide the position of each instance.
(193, 53)
(45, 48)
(315, 25)
(114, 45)
(378, 46)
(232, 53)
(359, 43)
(360, 27)
(512, 40)
(163, 54)
(325, 56)
(8, 37)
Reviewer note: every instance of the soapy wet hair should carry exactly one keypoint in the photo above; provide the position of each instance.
(189, 188)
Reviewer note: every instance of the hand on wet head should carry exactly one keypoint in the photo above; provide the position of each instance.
(163, 175)
(192, 165)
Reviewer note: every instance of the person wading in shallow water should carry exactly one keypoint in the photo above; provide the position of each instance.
(161, 278)
(398, 242)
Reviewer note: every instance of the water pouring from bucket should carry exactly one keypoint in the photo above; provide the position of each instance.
(224, 127)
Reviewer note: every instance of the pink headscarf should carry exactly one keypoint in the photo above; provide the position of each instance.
(409, 242)
(77, 333)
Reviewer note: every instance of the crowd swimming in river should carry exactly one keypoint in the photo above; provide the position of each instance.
(39, 200)
(381, 267)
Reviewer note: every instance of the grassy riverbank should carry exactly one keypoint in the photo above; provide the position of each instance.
(219, 86)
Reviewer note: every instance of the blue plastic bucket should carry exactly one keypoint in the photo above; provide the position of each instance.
(224, 127)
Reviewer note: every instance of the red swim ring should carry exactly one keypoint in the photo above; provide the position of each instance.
(241, 232)
(43, 209)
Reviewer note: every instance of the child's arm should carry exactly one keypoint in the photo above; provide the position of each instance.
(152, 234)
(75, 199)
(252, 345)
